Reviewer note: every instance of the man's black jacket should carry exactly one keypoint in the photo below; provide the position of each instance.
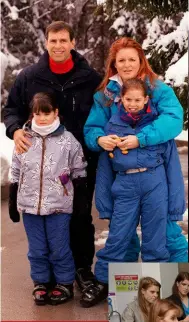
(74, 98)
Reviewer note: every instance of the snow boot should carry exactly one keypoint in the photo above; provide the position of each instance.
(93, 294)
(61, 294)
(40, 294)
(84, 277)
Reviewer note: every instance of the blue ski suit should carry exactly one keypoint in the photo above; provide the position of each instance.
(167, 126)
(150, 196)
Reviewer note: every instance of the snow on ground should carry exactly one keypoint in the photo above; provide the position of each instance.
(183, 136)
(4, 64)
(100, 239)
(6, 149)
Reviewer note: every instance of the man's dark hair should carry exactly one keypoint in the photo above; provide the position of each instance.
(58, 26)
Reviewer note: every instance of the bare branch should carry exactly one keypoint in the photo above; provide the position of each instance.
(19, 10)
(34, 4)
(49, 11)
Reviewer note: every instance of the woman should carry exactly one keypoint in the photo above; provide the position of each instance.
(138, 310)
(180, 294)
(164, 311)
(126, 60)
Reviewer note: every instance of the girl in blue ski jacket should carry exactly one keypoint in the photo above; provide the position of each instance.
(126, 60)
(146, 184)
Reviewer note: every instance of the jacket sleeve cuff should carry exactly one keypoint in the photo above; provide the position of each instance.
(10, 131)
(142, 140)
(175, 217)
(92, 142)
(105, 215)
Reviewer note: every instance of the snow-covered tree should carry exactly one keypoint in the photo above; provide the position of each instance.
(160, 26)
(162, 29)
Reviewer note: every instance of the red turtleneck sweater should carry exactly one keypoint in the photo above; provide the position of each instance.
(61, 68)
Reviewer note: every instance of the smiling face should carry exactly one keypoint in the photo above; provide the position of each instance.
(134, 100)
(59, 45)
(170, 316)
(183, 287)
(151, 293)
(43, 119)
(127, 63)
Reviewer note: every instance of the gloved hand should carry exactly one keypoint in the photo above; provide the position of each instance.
(80, 202)
(13, 212)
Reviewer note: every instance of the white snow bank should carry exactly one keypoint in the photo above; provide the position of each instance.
(178, 71)
(4, 64)
(100, 239)
(183, 136)
(6, 150)
(100, 242)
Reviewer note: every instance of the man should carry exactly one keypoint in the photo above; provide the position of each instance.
(66, 73)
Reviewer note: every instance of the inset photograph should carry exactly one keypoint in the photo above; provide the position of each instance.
(148, 292)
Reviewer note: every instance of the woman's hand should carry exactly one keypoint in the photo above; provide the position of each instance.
(108, 142)
(128, 142)
(186, 319)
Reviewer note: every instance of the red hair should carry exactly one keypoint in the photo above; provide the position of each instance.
(160, 308)
(124, 42)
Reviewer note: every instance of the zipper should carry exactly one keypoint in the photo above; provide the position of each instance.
(21, 181)
(71, 82)
(73, 109)
(41, 176)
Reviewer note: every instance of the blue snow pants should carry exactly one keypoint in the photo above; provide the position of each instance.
(177, 245)
(137, 196)
(49, 247)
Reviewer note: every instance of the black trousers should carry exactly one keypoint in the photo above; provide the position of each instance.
(82, 230)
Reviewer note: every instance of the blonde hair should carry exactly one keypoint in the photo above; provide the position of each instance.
(144, 284)
(160, 308)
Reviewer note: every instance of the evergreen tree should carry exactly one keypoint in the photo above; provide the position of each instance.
(149, 8)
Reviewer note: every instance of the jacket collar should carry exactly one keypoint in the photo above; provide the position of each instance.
(27, 127)
(79, 61)
(118, 118)
(117, 78)
(113, 89)
(81, 67)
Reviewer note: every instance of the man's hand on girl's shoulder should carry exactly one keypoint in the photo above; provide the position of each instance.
(21, 142)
